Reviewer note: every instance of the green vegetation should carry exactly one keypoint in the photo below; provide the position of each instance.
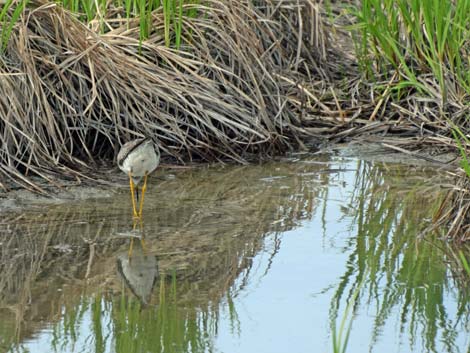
(9, 15)
(417, 44)
(415, 54)
(106, 14)
(464, 262)
(462, 140)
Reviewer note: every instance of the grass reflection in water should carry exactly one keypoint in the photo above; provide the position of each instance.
(397, 271)
(67, 269)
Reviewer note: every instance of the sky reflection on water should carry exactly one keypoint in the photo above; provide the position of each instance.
(245, 259)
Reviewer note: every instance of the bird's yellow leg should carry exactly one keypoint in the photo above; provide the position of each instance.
(131, 182)
(142, 234)
(131, 246)
(144, 188)
(144, 247)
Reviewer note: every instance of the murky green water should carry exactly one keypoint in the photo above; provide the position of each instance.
(239, 259)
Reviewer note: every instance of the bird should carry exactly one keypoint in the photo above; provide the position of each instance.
(138, 158)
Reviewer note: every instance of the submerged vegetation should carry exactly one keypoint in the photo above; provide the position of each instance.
(211, 80)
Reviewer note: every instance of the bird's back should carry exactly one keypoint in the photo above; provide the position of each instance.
(138, 157)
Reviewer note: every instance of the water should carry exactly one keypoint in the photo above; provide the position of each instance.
(260, 258)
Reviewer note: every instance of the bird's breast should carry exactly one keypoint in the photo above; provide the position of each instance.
(140, 162)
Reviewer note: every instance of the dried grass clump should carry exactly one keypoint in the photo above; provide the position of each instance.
(72, 96)
(453, 216)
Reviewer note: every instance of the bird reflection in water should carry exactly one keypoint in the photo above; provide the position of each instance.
(137, 268)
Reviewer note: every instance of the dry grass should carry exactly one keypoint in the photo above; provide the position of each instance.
(241, 85)
(453, 218)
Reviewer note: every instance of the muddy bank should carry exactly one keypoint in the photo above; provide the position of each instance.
(113, 181)
(105, 185)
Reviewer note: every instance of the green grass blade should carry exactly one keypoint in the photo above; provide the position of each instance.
(178, 24)
(464, 262)
(9, 24)
(458, 134)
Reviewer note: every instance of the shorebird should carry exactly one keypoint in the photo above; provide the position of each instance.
(138, 158)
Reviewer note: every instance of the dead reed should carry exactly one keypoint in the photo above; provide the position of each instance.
(239, 86)
(452, 219)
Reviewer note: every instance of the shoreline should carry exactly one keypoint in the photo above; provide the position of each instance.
(20, 199)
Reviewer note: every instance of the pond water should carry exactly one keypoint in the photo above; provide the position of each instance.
(278, 257)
